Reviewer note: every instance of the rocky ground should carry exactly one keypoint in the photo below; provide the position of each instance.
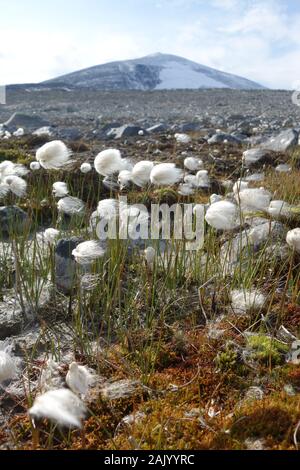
(179, 369)
(91, 114)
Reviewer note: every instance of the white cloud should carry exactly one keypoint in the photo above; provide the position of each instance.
(261, 43)
(38, 56)
(226, 4)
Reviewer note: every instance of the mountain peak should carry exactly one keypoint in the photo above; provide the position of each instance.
(156, 71)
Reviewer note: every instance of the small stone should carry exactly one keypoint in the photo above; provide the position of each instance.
(284, 141)
(121, 389)
(11, 320)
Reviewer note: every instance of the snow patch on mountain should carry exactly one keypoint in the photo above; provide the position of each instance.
(175, 75)
(153, 72)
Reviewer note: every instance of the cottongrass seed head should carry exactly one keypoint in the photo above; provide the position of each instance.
(202, 179)
(86, 168)
(193, 164)
(108, 208)
(223, 215)
(60, 406)
(254, 199)
(165, 174)
(50, 235)
(150, 255)
(124, 178)
(16, 185)
(140, 174)
(293, 239)
(109, 162)
(70, 205)
(60, 189)
(87, 252)
(7, 367)
(78, 379)
(35, 166)
(53, 155)
(280, 209)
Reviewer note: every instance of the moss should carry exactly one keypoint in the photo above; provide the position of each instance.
(294, 376)
(267, 350)
(165, 196)
(226, 360)
(273, 420)
(14, 155)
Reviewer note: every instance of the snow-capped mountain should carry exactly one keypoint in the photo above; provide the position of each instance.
(153, 72)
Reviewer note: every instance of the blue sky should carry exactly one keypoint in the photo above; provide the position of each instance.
(258, 39)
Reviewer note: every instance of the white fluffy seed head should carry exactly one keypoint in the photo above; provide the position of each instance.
(254, 199)
(244, 301)
(202, 179)
(279, 208)
(193, 164)
(16, 185)
(140, 174)
(60, 406)
(60, 189)
(50, 378)
(53, 155)
(78, 379)
(8, 168)
(191, 180)
(70, 205)
(7, 367)
(34, 166)
(124, 178)
(87, 252)
(4, 190)
(293, 239)
(186, 189)
(150, 255)
(85, 168)
(109, 162)
(223, 215)
(165, 174)
(50, 235)
(239, 186)
(108, 208)
(215, 198)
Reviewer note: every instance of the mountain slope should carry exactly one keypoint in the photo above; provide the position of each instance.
(153, 72)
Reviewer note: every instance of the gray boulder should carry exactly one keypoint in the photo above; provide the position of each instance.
(253, 156)
(70, 133)
(65, 264)
(157, 128)
(284, 141)
(190, 127)
(11, 320)
(13, 220)
(25, 121)
(125, 131)
(221, 137)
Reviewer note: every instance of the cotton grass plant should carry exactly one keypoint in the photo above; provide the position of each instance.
(124, 289)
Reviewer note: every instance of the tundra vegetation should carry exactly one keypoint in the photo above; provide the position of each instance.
(144, 344)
